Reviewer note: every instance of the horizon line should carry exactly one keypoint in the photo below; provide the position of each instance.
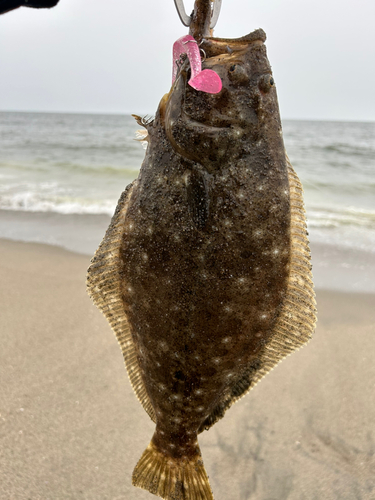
(127, 113)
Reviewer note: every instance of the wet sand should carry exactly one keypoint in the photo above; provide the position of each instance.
(71, 428)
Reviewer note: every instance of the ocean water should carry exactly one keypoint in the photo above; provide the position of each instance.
(66, 164)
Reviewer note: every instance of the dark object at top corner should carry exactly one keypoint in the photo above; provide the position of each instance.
(8, 5)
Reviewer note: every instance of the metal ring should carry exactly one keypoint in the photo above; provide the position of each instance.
(185, 19)
(215, 13)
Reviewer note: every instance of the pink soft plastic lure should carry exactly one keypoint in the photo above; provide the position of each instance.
(206, 80)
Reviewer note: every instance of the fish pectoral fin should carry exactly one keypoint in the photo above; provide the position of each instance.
(171, 478)
(141, 135)
(143, 121)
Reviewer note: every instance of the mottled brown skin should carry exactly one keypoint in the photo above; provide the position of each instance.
(206, 243)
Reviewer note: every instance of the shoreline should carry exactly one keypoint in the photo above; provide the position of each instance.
(334, 267)
(71, 426)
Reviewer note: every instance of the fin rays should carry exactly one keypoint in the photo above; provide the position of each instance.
(172, 479)
(104, 288)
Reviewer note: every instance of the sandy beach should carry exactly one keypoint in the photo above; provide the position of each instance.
(71, 428)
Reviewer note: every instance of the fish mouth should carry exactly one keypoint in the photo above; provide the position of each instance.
(217, 46)
(204, 108)
(201, 107)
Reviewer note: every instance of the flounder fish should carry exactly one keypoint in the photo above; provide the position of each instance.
(204, 273)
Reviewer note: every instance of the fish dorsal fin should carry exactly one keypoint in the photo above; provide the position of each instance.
(104, 288)
(297, 318)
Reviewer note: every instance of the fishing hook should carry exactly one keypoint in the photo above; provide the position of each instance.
(186, 20)
(201, 50)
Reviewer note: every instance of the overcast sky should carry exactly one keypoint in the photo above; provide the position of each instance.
(114, 56)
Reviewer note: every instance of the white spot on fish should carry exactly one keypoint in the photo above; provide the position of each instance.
(226, 340)
(199, 409)
(217, 361)
(198, 392)
(263, 316)
(145, 257)
(163, 346)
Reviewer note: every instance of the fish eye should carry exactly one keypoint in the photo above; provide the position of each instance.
(266, 82)
(237, 74)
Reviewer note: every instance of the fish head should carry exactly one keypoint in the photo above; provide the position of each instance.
(246, 107)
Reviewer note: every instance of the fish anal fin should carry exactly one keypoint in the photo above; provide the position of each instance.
(297, 317)
(171, 478)
(104, 288)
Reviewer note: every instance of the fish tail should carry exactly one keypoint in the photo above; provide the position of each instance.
(172, 478)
